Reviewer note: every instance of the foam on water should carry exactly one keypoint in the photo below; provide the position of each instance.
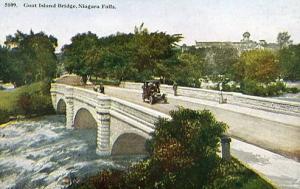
(41, 153)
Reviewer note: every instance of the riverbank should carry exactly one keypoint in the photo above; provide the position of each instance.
(21, 119)
(8, 123)
(25, 102)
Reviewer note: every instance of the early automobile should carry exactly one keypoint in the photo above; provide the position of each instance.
(151, 92)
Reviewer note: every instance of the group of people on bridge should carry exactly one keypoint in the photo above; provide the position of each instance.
(100, 88)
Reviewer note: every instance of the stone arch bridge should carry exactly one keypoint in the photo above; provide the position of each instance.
(122, 127)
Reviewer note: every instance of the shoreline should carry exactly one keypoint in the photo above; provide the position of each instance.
(22, 118)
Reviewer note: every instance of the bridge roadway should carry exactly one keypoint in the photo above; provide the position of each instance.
(282, 171)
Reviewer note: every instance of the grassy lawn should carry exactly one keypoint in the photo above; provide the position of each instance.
(235, 175)
(8, 100)
(27, 100)
(8, 104)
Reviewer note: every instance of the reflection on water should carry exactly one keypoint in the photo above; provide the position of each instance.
(41, 153)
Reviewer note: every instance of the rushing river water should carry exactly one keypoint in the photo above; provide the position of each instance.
(43, 153)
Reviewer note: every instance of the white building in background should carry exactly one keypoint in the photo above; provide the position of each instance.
(245, 44)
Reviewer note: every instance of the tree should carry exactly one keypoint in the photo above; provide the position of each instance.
(82, 55)
(40, 50)
(224, 59)
(15, 41)
(140, 55)
(258, 65)
(283, 39)
(31, 57)
(189, 69)
(4, 65)
(150, 51)
(17, 68)
(116, 55)
(289, 59)
(137, 56)
(183, 152)
(220, 61)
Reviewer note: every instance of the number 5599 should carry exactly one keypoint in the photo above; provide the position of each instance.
(10, 5)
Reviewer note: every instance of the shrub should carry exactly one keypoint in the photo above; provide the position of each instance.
(107, 179)
(4, 116)
(189, 82)
(35, 99)
(258, 65)
(275, 89)
(183, 151)
(25, 103)
(252, 87)
(293, 90)
(231, 87)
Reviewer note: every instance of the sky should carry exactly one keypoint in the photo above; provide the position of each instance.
(196, 20)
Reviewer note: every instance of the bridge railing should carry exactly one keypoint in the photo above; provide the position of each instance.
(88, 96)
(139, 113)
(261, 103)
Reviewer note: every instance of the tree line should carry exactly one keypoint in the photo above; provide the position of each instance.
(134, 56)
(28, 58)
(142, 55)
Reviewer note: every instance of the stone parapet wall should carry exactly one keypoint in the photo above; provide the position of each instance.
(131, 85)
(138, 113)
(261, 103)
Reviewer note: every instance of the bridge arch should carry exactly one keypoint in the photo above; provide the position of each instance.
(129, 143)
(61, 106)
(84, 119)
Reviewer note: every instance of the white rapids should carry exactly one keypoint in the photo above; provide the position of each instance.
(42, 153)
